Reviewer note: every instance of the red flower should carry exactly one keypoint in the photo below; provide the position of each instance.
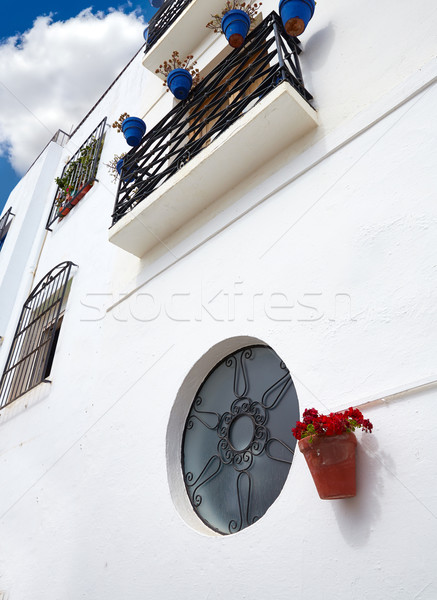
(332, 424)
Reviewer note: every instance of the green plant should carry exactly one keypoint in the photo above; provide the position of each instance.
(62, 181)
(87, 154)
(251, 8)
(175, 62)
(78, 170)
(65, 182)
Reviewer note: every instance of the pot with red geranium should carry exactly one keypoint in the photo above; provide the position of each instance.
(235, 20)
(180, 75)
(328, 444)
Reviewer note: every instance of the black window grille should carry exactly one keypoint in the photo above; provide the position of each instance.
(78, 175)
(32, 351)
(5, 223)
(163, 19)
(268, 58)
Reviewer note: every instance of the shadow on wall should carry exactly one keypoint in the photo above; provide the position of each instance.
(314, 57)
(317, 49)
(357, 516)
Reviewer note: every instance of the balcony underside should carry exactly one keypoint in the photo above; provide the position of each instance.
(192, 19)
(276, 122)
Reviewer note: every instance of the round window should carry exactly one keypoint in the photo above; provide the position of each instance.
(237, 446)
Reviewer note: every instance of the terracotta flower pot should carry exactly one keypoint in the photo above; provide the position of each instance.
(73, 199)
(235, 26)
(81, 194)
(63, 211)
(296, 14)
(331, 460)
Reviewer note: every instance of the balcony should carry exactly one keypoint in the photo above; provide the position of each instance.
(247, 110)
(169, 26)
(163, 19)
(78, 176)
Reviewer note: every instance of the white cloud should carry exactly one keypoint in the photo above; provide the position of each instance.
(53, 74)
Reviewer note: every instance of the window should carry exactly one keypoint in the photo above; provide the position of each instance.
(78, 175)
(5, 223)
(237, 446)
(33, 348)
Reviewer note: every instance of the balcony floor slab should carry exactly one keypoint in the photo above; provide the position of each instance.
(193, 19)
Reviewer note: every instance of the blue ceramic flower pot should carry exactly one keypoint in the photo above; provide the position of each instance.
(133, 130)
(235, 26)
(119, 166)
(129, 175)
(296, 14)
(179, 82)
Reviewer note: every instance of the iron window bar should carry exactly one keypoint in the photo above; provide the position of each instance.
(268, 58)
(35, 338)
(163, 19)
(80, 172)
(5, 223)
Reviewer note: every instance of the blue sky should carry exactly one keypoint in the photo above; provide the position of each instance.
(19, 18)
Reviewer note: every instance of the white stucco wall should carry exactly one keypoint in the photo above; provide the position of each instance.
(328, 256)
(20, 252)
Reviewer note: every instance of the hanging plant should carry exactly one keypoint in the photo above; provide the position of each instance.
(133, 129)
(235, 20)
(329, 445)
(180, 75)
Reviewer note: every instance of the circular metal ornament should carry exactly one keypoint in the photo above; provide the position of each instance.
(237, 446)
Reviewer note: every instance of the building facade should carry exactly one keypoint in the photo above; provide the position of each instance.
(272, 237)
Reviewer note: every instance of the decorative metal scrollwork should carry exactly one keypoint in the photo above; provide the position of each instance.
(238, 447)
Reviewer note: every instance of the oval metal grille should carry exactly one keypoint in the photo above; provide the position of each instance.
(237, 446)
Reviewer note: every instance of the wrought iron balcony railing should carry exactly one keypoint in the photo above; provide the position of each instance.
(163, 19)
(5, 223)
(268, 58)
(78, 175)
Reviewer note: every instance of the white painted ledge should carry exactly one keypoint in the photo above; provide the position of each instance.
(37, 394)
(193, 19)
(273, 124)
